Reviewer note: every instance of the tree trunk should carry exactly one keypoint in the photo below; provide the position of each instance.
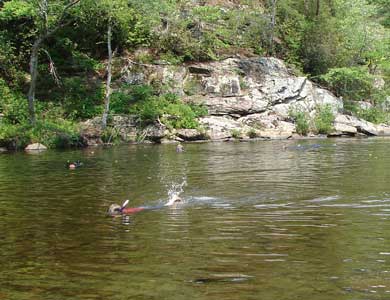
(306, 7)
(318, 8)
(33, 80)
(109, 75)
(35, 52)
(272, 27)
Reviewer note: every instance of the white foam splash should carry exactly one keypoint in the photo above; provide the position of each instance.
(204, 198)
(174, 192)
(324, 199)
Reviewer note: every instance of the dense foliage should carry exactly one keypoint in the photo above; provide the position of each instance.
(323, 120)
(342, 44)
(144, 102)
(301, 120)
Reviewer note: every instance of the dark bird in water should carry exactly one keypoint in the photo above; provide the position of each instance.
(73, 165)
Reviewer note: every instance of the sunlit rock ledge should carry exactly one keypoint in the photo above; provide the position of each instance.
(245, 98)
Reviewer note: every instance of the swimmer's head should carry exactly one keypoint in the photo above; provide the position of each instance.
(114, 209)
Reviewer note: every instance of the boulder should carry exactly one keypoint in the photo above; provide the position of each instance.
(383, 130)
(275, 134)
(361, 126)
(190, 134)
(352, 125)
(3, 150)
(267, 120)
(168, 141)
(155, 132)
(91, 131)
(221, 128)
(36, 147)
(343, 129)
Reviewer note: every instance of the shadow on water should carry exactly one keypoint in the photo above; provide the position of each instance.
(269, 220)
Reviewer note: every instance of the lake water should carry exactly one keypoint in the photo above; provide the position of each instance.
(261, 220)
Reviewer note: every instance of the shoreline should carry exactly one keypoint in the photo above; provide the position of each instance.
(174, 142)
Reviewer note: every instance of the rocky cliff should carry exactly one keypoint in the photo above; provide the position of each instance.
(245, 98)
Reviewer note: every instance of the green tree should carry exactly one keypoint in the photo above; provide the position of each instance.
(121, 24)
(383, 11)
(48, 17)
(273, 6)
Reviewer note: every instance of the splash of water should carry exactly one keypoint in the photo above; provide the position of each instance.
(175, 190)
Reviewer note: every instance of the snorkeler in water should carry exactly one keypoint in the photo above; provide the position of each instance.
(73, 165)
(118, 210)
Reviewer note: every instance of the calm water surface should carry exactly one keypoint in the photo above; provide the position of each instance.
(261, 220)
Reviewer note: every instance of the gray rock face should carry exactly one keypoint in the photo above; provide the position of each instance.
(244, 97)
(241, 87)
(36, 147)
(263, 65)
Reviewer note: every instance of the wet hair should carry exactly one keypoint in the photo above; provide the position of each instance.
(114, 209)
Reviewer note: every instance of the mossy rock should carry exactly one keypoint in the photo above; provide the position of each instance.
(192, 86)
